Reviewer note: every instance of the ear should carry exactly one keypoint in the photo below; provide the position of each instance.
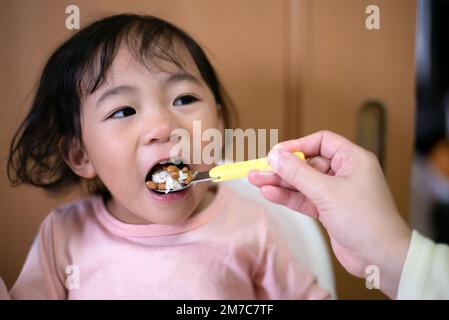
(77, 158)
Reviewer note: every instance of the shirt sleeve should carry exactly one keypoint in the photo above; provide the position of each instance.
(425, 274)
(39, 278)
(280, 276)
(4, 295)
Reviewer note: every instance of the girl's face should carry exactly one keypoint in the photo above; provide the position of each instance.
(126, 128)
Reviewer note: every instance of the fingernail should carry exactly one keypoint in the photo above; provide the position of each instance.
(265, 173)
(278, 147)
(275, 158)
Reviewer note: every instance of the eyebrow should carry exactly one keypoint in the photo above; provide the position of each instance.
(181, 76)
(114, 91)
(172, 78)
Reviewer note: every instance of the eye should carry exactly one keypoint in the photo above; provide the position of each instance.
(183, 100)
(123, 112)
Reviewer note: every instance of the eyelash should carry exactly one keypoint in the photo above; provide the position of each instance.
(192, 99)
(127, 108)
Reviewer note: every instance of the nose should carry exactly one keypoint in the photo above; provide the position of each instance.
(158, 126)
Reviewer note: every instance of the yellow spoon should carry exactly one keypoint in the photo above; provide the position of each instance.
(230, 171)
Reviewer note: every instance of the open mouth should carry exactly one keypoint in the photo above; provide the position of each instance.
(168, 176)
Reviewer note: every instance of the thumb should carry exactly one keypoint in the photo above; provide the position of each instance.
(297, 172)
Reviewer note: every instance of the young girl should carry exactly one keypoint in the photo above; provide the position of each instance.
(108, 101)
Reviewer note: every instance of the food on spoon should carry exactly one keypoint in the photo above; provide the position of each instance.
(169, 177)
(151, 185)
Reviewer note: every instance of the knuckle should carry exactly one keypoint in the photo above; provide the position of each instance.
(371, 157)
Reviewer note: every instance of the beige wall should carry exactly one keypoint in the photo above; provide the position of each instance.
(296, 65)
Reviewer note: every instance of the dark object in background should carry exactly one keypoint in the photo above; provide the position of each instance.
(432, 74)
(440, 219)
(430, 128)
(372, 128)
(431, 132)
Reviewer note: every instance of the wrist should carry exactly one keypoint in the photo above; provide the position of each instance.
(392, 264)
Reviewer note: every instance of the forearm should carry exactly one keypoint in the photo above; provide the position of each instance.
(392, 266)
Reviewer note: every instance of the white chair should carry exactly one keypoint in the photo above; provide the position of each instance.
(301, 232)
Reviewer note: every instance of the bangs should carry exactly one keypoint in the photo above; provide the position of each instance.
(148, 42)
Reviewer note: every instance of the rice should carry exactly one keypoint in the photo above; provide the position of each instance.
(170, 178)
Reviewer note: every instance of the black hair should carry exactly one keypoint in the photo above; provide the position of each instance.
(76, 69)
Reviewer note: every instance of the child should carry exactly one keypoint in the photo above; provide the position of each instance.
(108, 101)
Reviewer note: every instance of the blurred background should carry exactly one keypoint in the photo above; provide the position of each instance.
(296, 65)
(429, 211)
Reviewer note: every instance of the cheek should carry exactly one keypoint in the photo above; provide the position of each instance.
(197, 122)
(208, 117)
(108, 150)
(209, 144)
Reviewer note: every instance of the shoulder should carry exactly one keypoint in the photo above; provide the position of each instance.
(61, 231)
(76, 210)
(70, 217)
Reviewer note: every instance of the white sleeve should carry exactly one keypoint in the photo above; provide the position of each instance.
(425, 274)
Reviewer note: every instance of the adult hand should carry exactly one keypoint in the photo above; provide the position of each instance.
(341, 185)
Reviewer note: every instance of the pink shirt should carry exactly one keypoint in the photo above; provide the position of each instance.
(230, 250)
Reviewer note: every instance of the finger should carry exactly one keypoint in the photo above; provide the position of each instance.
(298, 173)
(261, 178)
(320, 163)
(291, 199)
(321, 143)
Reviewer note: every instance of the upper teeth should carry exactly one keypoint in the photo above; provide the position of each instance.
(171, 160)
